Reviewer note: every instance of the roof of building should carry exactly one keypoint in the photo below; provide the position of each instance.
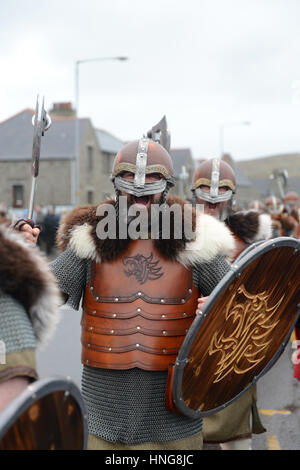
(108, 142)
(16, 137)
(241, 178)
(181, 157)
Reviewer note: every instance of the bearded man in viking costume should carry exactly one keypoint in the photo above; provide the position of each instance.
(139, 297)
(214, 186)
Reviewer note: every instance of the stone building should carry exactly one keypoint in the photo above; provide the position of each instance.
(54, 184)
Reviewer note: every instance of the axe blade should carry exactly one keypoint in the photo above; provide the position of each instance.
(41, 122)
(160, 133)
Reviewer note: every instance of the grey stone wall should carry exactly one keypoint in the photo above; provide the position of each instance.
(95, 178)
(53, 183)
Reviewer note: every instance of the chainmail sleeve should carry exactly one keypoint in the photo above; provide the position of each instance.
(16, 330)
(207, 275)
(17, 341)
(72, 274)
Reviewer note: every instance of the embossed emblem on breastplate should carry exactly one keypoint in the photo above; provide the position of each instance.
(142, 268)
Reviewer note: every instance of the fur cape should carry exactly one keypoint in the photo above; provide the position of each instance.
(250, 226)
(78, 231)
(286, 223)
(25, 276)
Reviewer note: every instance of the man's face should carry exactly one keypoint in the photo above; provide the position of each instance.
(143, 201)
(209, 207)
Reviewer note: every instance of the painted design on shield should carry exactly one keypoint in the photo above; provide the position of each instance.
(142, 268)
(253, 323)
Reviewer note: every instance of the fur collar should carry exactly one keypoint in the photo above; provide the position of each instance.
(78, 231)
(25, 275)
(250, 226)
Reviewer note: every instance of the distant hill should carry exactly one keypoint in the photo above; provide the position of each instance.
(263, 167)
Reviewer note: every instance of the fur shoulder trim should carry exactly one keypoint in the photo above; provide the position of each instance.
(213, 238)
(78, 231)
(250, 226)
(25, 275)
(265, 227)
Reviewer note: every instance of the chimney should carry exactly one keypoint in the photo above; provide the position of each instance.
(62, 110)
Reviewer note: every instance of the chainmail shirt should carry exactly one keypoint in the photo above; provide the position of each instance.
(128, 406)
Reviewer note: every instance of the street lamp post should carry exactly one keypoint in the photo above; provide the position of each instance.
(222, 127)
(75, 161)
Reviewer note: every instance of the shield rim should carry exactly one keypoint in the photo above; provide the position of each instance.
(244, 259)
(39, 389)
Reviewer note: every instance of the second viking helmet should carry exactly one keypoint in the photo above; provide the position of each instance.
(143, 157)
(214, 173)
(274, 205)
(291, 198)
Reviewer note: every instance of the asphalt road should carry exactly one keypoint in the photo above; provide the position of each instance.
(279, 404)
(278, 391)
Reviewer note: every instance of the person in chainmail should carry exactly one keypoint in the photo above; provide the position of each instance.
(29, 300)
(139, 296)
(214, 186)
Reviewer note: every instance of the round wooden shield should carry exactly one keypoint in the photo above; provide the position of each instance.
(244, 327)
(48, 415)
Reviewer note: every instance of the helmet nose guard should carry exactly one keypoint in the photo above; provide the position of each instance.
(141, 164)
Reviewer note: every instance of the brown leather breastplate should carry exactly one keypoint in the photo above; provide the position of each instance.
(137, 310)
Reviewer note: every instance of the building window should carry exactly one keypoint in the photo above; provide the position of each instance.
(18, 196)
(90, 157)
(108, 159)
(90, 197)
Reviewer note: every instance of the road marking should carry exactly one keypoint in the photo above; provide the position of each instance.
(275, 412)
(273, 443)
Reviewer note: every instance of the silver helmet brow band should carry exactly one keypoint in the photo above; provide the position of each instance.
(141, 163)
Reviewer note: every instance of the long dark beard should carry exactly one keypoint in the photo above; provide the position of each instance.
(127, 219)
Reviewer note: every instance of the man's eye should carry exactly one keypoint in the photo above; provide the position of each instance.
(223, 189)
(153, 177)
(128, 176)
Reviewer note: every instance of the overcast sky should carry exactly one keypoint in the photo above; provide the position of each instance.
(200, 62)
